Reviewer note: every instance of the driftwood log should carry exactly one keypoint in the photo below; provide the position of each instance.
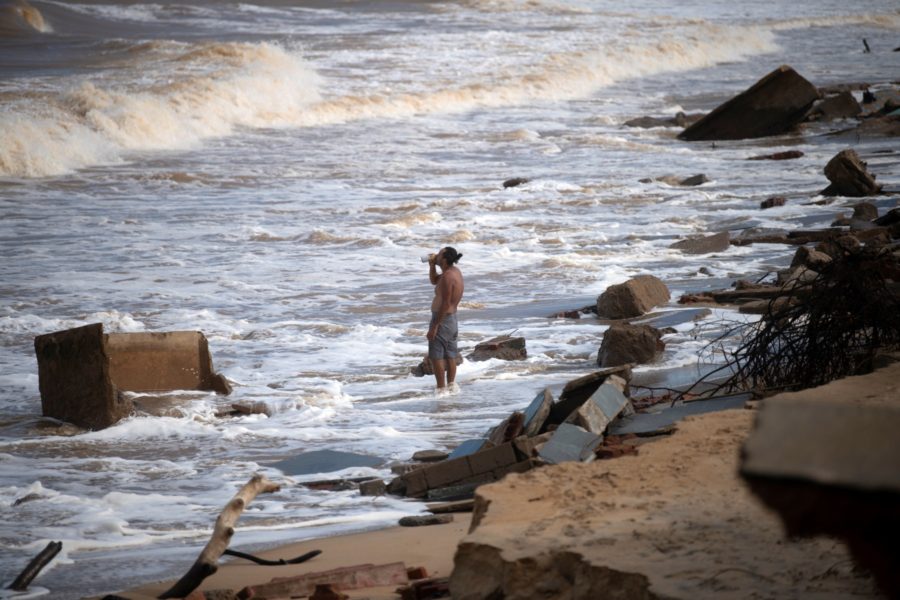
(35, 566)
(206, 563)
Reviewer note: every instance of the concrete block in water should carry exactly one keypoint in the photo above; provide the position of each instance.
(82, 370)
(600, 409)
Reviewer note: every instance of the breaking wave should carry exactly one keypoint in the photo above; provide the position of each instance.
(223, 86)
(250, 85)
(20, 18)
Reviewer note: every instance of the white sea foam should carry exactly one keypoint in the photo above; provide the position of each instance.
(244, 85)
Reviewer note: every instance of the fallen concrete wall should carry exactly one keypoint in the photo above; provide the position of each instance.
(82, 371)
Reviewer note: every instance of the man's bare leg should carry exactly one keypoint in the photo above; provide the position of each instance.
(438, 366)
(451, 371)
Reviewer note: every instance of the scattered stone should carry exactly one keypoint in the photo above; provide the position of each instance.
(773, 202)
(423, 520)
(808, 257)
(679, 120)
(27, 498)
(624, 343)
(849, 177)
(567, 314)
(771, 106)
(704, 245)
(503, 347)
(632, 298)
(426, 368)
(373, 487)
(786, 155)
(515, 181)
(430, 456)
(891, 217)
(570, 443)
(841, 106)
(865, 211)
(694, 180)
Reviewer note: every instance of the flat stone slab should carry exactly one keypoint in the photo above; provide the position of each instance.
(430, 455)
(537, 412)
(570, 443)
(467, 447)
(600, 409)
(674, 318)
(653, 421)
(325, 461)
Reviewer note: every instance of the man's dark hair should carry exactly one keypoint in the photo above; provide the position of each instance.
(451, 255)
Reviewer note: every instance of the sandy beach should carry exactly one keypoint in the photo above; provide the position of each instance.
(675, 520)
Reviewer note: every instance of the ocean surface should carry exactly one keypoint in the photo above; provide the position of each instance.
(270, 172)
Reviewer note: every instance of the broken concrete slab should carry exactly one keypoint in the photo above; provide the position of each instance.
(849, 177)
(345, 578)
(773, 105)
(508, 429)
(570, 443)
(600, 409)
(325, 461)
(537, 412)
(827, 460)
(430, 455)
(674, 318)
(663, 416)
(577, 391)
(82, 371)
(468, 447)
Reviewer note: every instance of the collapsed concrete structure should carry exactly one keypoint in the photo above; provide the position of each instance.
(83, 371)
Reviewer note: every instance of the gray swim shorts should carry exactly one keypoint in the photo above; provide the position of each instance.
(444, 343)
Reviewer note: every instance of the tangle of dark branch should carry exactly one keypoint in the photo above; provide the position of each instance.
(829, 326)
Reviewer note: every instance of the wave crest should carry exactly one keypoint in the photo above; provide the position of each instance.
(254, 85)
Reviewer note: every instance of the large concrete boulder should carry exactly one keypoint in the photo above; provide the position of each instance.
(849, 177)
(74, 378)
(771, 106)
(840, 106)
(81, 371)
(624, 343)
(632, 298)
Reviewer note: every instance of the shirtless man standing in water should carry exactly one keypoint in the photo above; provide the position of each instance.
(442, 332)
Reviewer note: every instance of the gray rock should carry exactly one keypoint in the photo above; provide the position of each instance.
(704, 245)
(632, 298)
(629, 344)
(422, 520)
(430, 455)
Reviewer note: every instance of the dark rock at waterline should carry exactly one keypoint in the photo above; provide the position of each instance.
(426, 368)
(693, 180)
(892, 217)
(849, 177)
(773, 202)
(503, 347)
(624, 343)
(704, 245)
(515, 181)
(840, 106)
(773, 105)
(786, 155)
(679, 120)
